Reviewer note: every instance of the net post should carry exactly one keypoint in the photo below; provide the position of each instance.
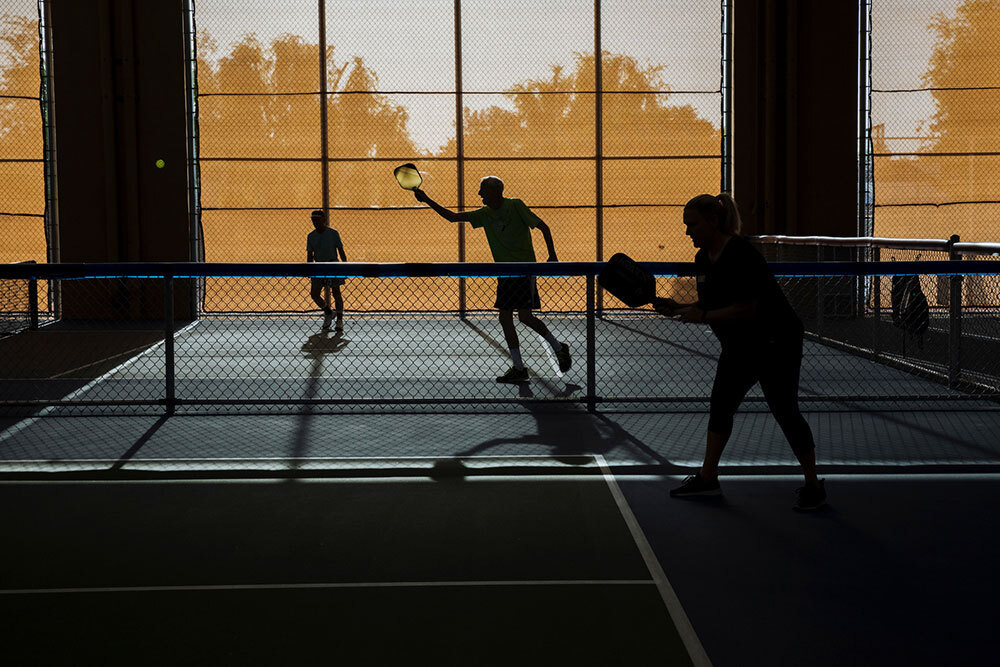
(820, 289)
(168, 341)
(954, 318)
(877, 283)
(33, 304)
(591, 345)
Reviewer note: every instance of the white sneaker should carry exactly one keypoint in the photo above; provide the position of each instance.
(327, 321)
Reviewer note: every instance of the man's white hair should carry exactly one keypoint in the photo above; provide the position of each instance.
(482, 181)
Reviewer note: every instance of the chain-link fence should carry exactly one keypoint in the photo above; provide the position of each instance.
(22, 165)
(934, 139)
(311, 104)
(131, 336)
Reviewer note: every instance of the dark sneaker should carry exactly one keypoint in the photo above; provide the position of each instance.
(810, 497)
(562, 355)
(327, 321)
(514, 376)
(694, 485)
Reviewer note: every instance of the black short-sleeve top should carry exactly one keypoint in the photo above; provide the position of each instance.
(741, 274)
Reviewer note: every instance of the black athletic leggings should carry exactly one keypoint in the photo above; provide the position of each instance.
(776, 366)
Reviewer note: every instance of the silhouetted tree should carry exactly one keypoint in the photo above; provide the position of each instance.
(20, 119)
(961, 69)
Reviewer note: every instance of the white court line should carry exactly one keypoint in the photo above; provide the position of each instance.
(366, 584)
(684, 628)
(21, 425)
(279, 481)
(871, 477)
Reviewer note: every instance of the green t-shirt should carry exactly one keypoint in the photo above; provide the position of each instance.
(323, 246)
(508, 230)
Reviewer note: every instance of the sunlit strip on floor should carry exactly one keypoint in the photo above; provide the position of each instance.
(444, 464)
(22, 425)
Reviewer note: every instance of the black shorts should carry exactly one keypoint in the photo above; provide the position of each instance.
(517, 293)
(319, 283)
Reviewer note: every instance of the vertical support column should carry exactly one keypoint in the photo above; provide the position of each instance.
(197, 241)
(49, 146)
(727, 98)
(324, 140)
(591, 346)
(598, 144)
(954, 318)
(460, 150)
(168, 341)
(864, 124)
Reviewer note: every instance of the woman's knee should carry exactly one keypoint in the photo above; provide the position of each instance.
(721, 423)
(796, 430)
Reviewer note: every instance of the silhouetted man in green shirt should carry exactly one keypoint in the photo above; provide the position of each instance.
(508, 224)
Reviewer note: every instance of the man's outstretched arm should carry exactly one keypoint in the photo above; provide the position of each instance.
(450, 216)
(547, 234)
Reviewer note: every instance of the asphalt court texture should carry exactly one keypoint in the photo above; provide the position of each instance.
(477, 570)
(494, 538)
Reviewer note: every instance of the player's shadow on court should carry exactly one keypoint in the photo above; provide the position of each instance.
(318, 345)
(568, 435)
(316, 348)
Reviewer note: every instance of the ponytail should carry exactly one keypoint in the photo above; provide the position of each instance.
(721, 208)
(730, 222)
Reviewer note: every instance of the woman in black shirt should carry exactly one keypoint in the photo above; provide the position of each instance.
(760, 335)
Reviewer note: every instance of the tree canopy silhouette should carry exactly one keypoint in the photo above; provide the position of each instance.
(23, 189)
(963, 66)
(20, 120)
(953, 164)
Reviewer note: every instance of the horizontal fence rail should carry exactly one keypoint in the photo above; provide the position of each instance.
(70, 271)
(943, 245)
(143, 336)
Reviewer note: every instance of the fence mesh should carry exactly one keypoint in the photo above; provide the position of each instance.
(936, 148)
(880, 339)
(512, 92)
(22, 198)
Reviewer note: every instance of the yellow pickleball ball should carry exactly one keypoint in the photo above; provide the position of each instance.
(160, 164)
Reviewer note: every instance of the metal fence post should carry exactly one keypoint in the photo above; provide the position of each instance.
(876, 328)
(877, 286)
(820, 290)
(33, 304)
(168, 341)
(954, 318)
(591, 344)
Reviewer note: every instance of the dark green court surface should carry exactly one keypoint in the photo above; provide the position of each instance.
(464, 570)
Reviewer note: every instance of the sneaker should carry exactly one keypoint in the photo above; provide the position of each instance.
(513, 376)
(327, 321)
(339, 328)
(694, 485)
(810, 497)
(562, 354)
